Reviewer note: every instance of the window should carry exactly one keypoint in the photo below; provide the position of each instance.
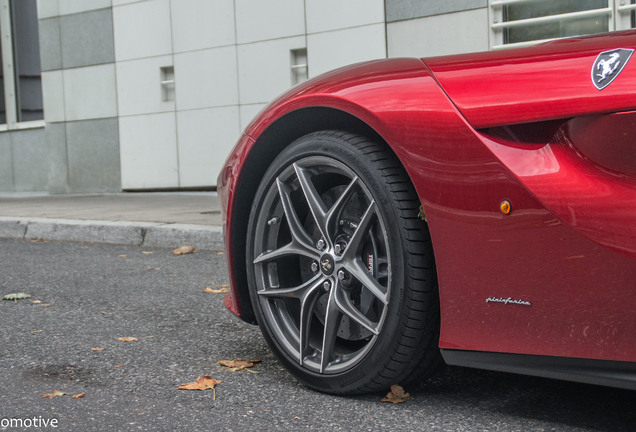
(299, 70)
(526, 22)
(167, 83)
(20, 76)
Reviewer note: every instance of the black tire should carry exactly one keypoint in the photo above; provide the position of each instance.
(340, 267)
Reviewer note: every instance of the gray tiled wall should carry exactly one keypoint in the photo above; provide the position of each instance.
(398, 10)
(57, 158)
(50, 50)
(29, 160)
(81, 156)
(6, 163)
(23, 165)
(93, 155)
(87, 38)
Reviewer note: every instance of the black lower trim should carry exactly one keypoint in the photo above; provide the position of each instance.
(600, 372)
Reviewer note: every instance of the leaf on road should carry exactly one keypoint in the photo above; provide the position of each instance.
(122, 256)
(215, 290)
(127, 339)
(97, 349)
(202, 383)
(77, 396)
(220, 253)
(154, 268)
(239, 364)
(183, 250)
(54, 393)
(396, 395)
(36, 331)
(39, 302)
(147, 252)
(16, 296)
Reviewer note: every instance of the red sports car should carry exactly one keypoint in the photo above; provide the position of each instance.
(477, 210)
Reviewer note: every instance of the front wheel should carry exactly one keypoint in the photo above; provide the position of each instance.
(340, 267)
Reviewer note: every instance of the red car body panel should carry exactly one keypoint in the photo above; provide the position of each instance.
(569, 245)
(543, 82)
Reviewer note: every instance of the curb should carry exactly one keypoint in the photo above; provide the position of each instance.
(126, 233)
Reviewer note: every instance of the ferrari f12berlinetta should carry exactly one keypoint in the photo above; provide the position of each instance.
(477, 210)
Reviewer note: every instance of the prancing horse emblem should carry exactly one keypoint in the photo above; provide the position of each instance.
(326, 265)
(608, 65)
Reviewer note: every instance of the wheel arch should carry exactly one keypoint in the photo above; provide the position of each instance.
(267, 146)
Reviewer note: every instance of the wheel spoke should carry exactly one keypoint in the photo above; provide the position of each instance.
(298, 233)
(336, 209)
(307, 304)
(361, 273)
(359, 235)
(293, 248)
(299, 292)
(330, 331)
(315, 203)
(344, 304)
(307, 293)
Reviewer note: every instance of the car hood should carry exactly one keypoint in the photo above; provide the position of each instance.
(548, 81)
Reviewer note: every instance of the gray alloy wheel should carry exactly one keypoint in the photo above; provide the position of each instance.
(322, 260)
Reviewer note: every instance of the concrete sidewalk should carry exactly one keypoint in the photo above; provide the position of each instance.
(148, 219)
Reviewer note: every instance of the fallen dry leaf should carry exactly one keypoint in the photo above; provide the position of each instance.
(77, 396)
(97, 349)
(215, 290)
(220, 253)
(147, 252)
(39, 303)
(118, 366)
(36, 331)
(122, 256)
(16, 296)
(396, 395)
(154, 268)
(183, 250)
(127, 339)
(239, 364)
(202, 383)
(54, 393)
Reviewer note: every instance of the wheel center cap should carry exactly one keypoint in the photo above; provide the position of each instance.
(326, 264)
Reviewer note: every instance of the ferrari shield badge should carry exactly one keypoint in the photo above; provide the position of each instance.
(608, 65)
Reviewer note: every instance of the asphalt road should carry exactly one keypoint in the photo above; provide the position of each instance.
(92, 294)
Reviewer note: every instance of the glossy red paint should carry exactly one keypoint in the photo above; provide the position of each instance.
(226, 188)
(568, 246)
(548, 81)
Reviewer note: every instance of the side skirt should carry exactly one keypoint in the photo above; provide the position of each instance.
(599, 372)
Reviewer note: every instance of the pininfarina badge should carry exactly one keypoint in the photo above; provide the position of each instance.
(608, 65)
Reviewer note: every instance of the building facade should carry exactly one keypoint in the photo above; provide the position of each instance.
(112, 95)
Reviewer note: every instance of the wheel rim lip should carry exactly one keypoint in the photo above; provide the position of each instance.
(279, 319)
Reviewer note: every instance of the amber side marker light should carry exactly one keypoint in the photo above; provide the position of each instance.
(505, 207)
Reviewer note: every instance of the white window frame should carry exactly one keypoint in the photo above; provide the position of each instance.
(618, 13)
(299, 65)
(10, 105)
